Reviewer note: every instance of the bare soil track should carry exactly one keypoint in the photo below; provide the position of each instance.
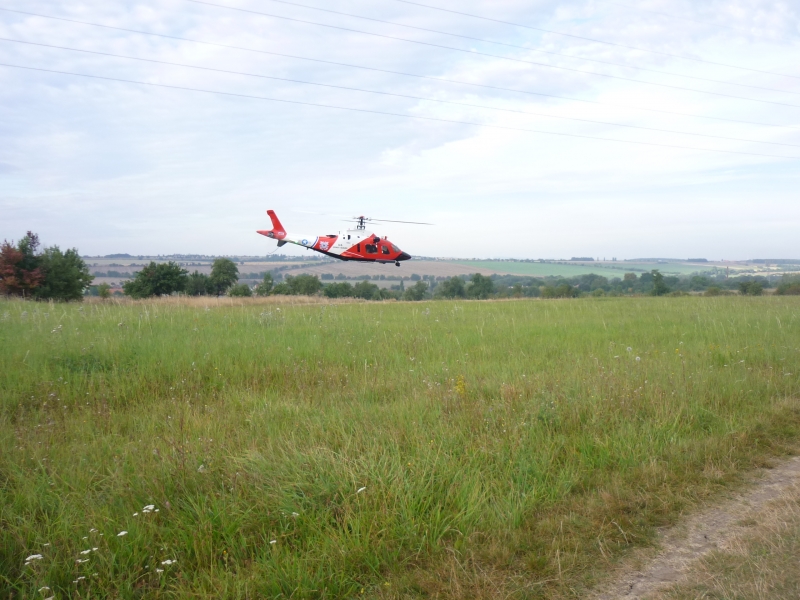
(711, 529)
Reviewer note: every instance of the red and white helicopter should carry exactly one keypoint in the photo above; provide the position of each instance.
(353, 244)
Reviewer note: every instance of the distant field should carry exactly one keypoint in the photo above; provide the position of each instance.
(506, 449)
(606, 269)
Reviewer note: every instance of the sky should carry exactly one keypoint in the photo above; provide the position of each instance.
(520, 129)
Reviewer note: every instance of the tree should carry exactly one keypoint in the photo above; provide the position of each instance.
(750, 288)
(338, 290)
(451, 288)
(789, 286)
(66, 275)
(367, 291)
(198, 284)
(659, 287)
(301, 285)
(104, 291)
(20, 266)
(224, 273)
(240, 290)
(482, 287)
(416, 292)
(156, 280)
(265, 287)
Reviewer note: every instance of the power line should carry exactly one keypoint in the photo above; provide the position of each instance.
(394, 94)
(588, 39)
(709, 23)
(391, 72)
(499, 56)
(485, 41)
(392, 114)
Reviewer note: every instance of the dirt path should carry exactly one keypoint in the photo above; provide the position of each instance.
(706, 531)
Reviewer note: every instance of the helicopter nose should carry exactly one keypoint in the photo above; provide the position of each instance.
(404, 256)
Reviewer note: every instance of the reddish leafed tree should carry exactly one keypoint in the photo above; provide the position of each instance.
(19, 270)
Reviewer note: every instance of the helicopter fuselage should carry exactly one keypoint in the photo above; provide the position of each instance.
(352, 244)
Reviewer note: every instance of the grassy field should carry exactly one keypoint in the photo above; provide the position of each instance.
(395, 450)
(607, 269)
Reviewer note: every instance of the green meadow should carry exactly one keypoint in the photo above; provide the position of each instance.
(255, 449)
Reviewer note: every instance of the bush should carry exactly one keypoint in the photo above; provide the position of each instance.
(451, 288)
(198, 284)
(750, 288)
(240, 290)
(789, 286)
(265, 287)
(301, 285)
(338, 290)
(104, 291)
(482, 287)
(367, 291)
(416, 292)
(157, 280)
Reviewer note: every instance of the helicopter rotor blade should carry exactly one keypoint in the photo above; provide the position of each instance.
(393, 221)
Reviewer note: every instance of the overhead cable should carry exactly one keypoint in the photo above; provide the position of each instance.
(391, 72)
(393, 94)
(588, 39)
(527, 48)
(392, 114)
(498, 56)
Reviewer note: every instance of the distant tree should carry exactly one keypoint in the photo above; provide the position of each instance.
(66, 275)
(482, 287)
(265, 287)
(416, 292)
(562, 290)
(750, 288)
(326, 276)
(451, 288)
(338, 290)
(156, 280)
(20, 266)
(629, 277)
(789, 286)
(367, 291)
(659, 287)
(301, 285)
(224, 273)
(415, 277)
(198, 284)
(240, 290)
(104, 291)
(713, 290)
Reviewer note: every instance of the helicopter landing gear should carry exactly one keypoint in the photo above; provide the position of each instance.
(397, 264)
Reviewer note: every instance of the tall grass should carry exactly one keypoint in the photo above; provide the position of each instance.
(465, 449)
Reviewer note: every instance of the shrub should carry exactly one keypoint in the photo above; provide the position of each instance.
(240, 290)
(157, 280)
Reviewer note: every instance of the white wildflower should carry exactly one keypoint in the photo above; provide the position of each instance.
(85, 552)
(629, 349)
(638, 359)
(295, 515)
(201, 469)
(359, 490)
(149, 508)
(136, 514)
(34, 557)
(93, 530)
(43, 589)
(169, 561)
(159, 570)
(80, 561)
(121, 533)
(271, 542)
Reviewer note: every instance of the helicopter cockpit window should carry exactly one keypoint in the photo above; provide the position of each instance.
(385, 249)
(371, 248)
(395, 248)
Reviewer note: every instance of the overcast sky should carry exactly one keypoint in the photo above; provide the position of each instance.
(111, 166)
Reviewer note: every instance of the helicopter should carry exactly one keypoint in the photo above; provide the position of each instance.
(354, 244)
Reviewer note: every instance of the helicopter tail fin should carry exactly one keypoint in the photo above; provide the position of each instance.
(276, 224)
(277, 232)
